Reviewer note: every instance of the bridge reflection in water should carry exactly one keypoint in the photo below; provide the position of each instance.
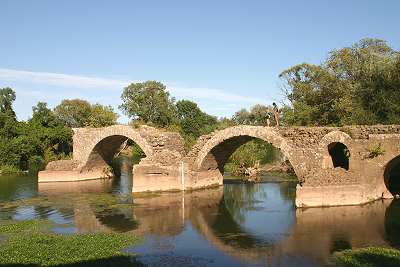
(237, 224)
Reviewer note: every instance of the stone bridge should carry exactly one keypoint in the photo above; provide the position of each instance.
(334, 165)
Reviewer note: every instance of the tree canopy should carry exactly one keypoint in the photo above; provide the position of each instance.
(80, 113)
(149, 102)
(354, 85)
(257, 115)
(193, 121)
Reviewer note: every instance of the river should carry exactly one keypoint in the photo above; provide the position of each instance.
(233, 225)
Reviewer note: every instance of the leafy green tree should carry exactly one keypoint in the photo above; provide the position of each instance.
(8, 120)
(101, 116)
(242, 117)
(354, 85)
(257, 115)
(149, 102)
(80, 113)
(74, 112)
(42, 115)
(193, 121)
(7, 97)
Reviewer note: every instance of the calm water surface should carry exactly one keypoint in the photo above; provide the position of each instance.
(233, 225)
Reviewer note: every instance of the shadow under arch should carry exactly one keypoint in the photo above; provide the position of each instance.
(104, 151)
(392, 176)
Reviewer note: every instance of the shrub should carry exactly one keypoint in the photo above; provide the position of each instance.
(9, 169)
(375, 151)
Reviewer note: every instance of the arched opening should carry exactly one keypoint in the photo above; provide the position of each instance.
(392, 176)
(340, 155)
(246, 155)
(116, 153)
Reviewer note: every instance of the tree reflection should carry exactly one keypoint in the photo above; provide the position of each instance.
(239, 199)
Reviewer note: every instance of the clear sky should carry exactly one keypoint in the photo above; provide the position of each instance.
(222, 54)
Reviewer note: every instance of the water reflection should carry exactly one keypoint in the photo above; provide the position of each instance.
(235, 225)
(392, 223)
(17, 187)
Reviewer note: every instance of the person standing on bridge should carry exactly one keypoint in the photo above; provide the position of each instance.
(268, 117)
(275, 109)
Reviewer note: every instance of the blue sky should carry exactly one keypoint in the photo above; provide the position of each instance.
(222, 54)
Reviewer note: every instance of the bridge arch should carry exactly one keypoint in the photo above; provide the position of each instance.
(335, 149)
(101, 145)
(216, 151)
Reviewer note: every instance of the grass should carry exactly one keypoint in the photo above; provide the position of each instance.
(368, 257)
(29, 243)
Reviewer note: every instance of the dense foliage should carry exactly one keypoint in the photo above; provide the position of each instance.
(354, 85)
(47, 136)
(149, 102)
(80, 113)
(258, 115)
(252, 153)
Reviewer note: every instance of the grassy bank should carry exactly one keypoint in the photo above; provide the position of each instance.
(368, 257)
(30, 243)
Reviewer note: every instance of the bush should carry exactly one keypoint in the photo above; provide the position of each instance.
(9, 169)
(36, 164)
(375, 151)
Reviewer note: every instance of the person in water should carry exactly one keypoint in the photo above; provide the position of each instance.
(275, 109)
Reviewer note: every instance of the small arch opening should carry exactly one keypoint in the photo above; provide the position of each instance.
(392, 176)
(340, 155)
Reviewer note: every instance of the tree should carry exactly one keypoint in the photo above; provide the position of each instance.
(80, 113)
(257, 115)
(242, 117)
(74, 112)
(150, 102)
(354, 85)
(101, 116)
(7, 98)
(42, 115)
(8, 120)
(193, 121)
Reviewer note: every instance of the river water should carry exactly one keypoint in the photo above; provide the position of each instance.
(233, 225)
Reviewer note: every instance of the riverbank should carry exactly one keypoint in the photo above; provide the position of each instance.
(264, 177)
(32, 243)
(371, 257)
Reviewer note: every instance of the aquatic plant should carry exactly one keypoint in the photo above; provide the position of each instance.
(368, 257)
(29, 243)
